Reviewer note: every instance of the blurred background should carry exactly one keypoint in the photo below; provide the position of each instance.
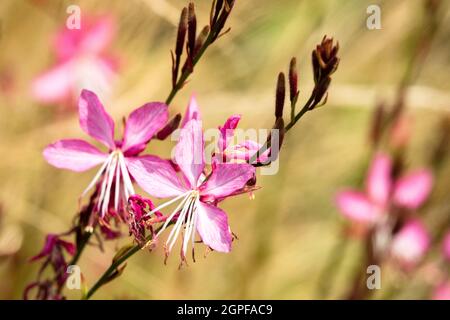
(292, 227)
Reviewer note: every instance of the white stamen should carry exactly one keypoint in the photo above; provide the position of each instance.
(178, 225)
(194, 220)
(173, 213)
(97, 175)
(117, 190)
(104, 183)
(111, 171)
(186, 195)
(129, 190)
(190, 224)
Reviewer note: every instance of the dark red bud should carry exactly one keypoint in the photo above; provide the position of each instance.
(170, 127)
(280, 95)
(182, 27)
(201, 39)
(293, 79)
(192, 29)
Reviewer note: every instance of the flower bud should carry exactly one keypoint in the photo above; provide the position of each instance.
(170, 127)
(280, 95)
(293, 80)
(192, 29)
(201, 39)
(182, 27)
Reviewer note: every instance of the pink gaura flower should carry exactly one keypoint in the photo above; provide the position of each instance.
(226, 151)
(82, 61)
(410, 244)
(238, 153)
(442, 291)
(382, 191)
(79, 155)
(199, 193)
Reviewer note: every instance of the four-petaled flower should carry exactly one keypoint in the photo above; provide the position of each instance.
(382, 192)
(81, 62)
(199, 193)
(78, 155)
(238, 153)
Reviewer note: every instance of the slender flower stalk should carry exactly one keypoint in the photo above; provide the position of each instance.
(325, 62)
(222, 10)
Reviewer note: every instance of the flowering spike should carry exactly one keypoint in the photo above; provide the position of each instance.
(280, 95)
(325, 62)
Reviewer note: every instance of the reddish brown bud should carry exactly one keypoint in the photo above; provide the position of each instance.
(215, 11)
(280, 95)
(293, 80)
(201, 39)
(170, 127)
(182, 27)
(192, 29)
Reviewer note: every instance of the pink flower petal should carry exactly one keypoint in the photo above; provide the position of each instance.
(411, 243)
(98, 35)
(355, 206)
(94, 37)
(446, 246)
(94, 120)
(412, 190)
(142, 124)
(227, 178)
(189, 152)
(227, 131)
(246, 150)
(55, 85)
(379, 179)
(192, 111)
(73, 154)
(212, 225)
(155, 176)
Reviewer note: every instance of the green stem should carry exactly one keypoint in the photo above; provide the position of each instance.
(187, 72)
(103, 279)
(116, 264)
(294, 119)
(84, 241)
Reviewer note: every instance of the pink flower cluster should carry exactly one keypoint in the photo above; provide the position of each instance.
(185, 179)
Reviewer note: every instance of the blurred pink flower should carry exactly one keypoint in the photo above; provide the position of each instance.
(410, 244)
(446, 246)
(81, 62)
(54, 243)
(442, 292)
(199, 194)
(78, 155)
(409, 191)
